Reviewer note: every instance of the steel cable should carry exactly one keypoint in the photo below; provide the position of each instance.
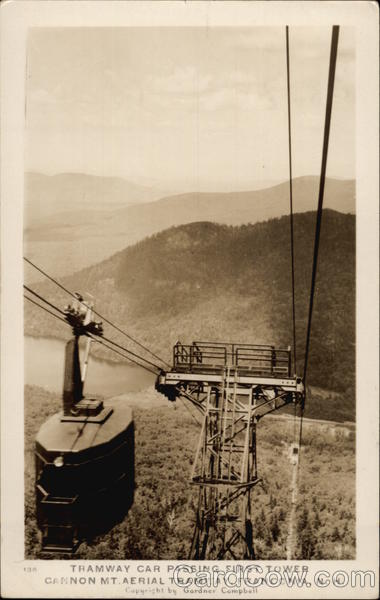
(329, 101)
(92, 337)
(123, 355)
(318, 226)
(44, 300)
(62, 287)
(46, 309)
(291, 200)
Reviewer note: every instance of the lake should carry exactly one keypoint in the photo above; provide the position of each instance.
(44, 364)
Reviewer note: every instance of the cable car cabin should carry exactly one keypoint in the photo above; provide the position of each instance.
(249, 359)
(84, 465)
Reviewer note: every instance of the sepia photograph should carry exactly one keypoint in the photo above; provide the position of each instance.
(172, 185)
(190, 279)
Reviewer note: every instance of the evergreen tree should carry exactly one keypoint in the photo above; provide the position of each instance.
(335, 536)
(274, 528)
(303, 520)
(308, 543)
(317, 521)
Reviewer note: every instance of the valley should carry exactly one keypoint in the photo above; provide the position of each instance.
(218, 282)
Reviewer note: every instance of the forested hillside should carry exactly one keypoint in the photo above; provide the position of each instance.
(219, 282)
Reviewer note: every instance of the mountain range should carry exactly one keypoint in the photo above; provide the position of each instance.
(73, 220)
(47, 197)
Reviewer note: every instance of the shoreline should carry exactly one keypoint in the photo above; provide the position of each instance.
(97, 352)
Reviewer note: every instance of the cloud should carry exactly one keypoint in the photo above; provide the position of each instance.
(150, 93)
(183, 80)
(256, 38)
(308, 42)
(234, 98)
(190, 88)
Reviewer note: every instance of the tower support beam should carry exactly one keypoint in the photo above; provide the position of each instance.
(233, 396)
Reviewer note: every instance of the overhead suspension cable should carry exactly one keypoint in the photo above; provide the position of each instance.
(326, 135)
(62, 287)
(330, 90)
(123, 355)
(43, 300)
(66, 322)
(46, 309)
(291, 200)
(130, 352)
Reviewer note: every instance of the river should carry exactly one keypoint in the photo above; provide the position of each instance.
(44, 362)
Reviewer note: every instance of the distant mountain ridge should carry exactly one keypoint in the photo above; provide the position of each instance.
(68, 240)
(49, 195)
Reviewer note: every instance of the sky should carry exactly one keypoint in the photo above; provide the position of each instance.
(187, 108)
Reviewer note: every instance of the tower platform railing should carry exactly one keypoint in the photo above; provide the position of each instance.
(254, 359)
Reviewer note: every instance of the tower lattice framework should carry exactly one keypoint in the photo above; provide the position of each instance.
(234, 386)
